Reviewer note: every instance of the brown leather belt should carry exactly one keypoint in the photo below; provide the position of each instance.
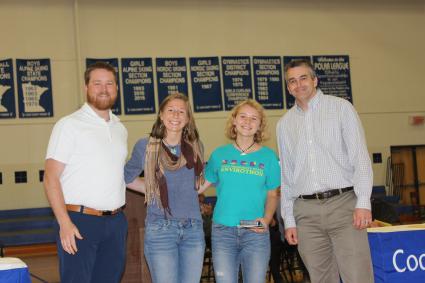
(91, 211)
(327, 194)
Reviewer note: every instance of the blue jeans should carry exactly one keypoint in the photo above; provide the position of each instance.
(233, 246)
(101, 253)
(174, 250)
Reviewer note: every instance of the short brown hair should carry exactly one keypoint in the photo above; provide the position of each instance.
(261, 134)
(99, 65)
(297, 63)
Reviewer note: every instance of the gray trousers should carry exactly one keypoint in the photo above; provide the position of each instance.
(328, 243)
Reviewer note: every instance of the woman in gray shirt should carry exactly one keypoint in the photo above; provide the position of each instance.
(172, 161)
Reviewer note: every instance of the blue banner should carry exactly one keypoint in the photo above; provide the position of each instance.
(236, 80)
(333, 73)
(34, 88)
(116, 108)
(290, 100)
(171, 75)
(268, 81)
(206, 86)
(398, 256)
(7, 90)
(138, 89)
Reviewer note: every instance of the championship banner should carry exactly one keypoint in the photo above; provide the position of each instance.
(171, 75)
(290, 100)
(7, 90)
(138, 89)
(206, 86)
(236, 80)
(333, 73)
(116, 108)
(268, 81)
(34, 88)
(398, 256)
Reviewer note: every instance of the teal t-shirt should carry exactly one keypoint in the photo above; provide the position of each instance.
(241, 182)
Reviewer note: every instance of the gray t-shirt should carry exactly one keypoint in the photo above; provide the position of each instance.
(182, 195)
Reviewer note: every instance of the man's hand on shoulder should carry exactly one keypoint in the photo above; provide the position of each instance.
(362, 218)
(67, 233)
(291, 236)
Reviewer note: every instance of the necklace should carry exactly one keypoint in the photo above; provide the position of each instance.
(244, 151)
(172, 148)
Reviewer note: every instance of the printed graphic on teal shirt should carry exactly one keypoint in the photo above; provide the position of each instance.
(244, 167)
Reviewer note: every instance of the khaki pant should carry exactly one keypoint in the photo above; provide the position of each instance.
(328, 243)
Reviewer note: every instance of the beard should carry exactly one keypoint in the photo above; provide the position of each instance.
(101, 103)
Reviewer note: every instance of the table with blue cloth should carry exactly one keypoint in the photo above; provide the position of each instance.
(398, 253)
(13, 270)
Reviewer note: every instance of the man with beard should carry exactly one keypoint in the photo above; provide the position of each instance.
(84, 183)
(326, 181)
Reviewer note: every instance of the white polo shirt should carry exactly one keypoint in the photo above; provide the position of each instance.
(94, 153)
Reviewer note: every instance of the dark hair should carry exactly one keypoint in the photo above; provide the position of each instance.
(297, 63)
(99, 65)
(190, 132)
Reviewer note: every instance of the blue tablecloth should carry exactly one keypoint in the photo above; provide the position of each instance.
(13, 270)
(398, 254)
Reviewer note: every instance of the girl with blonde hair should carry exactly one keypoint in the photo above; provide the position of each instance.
(246, 175)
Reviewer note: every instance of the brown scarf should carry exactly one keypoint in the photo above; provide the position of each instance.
(159, 158)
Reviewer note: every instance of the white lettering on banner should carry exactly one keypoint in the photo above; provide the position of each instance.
(171, 69)
(412, 262)
(5, 76)
(204, 62)
(136, 69)
(163, 69)
(204, 68)
(4, 64)
(137, 75)
(172, 80)
(137, 63)
(171, 63)
(205, 79)
(236, 67)
(138, 81)
(331, 66)
(267, 72)
(235, 61)
(267, 61)
(172, 75)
